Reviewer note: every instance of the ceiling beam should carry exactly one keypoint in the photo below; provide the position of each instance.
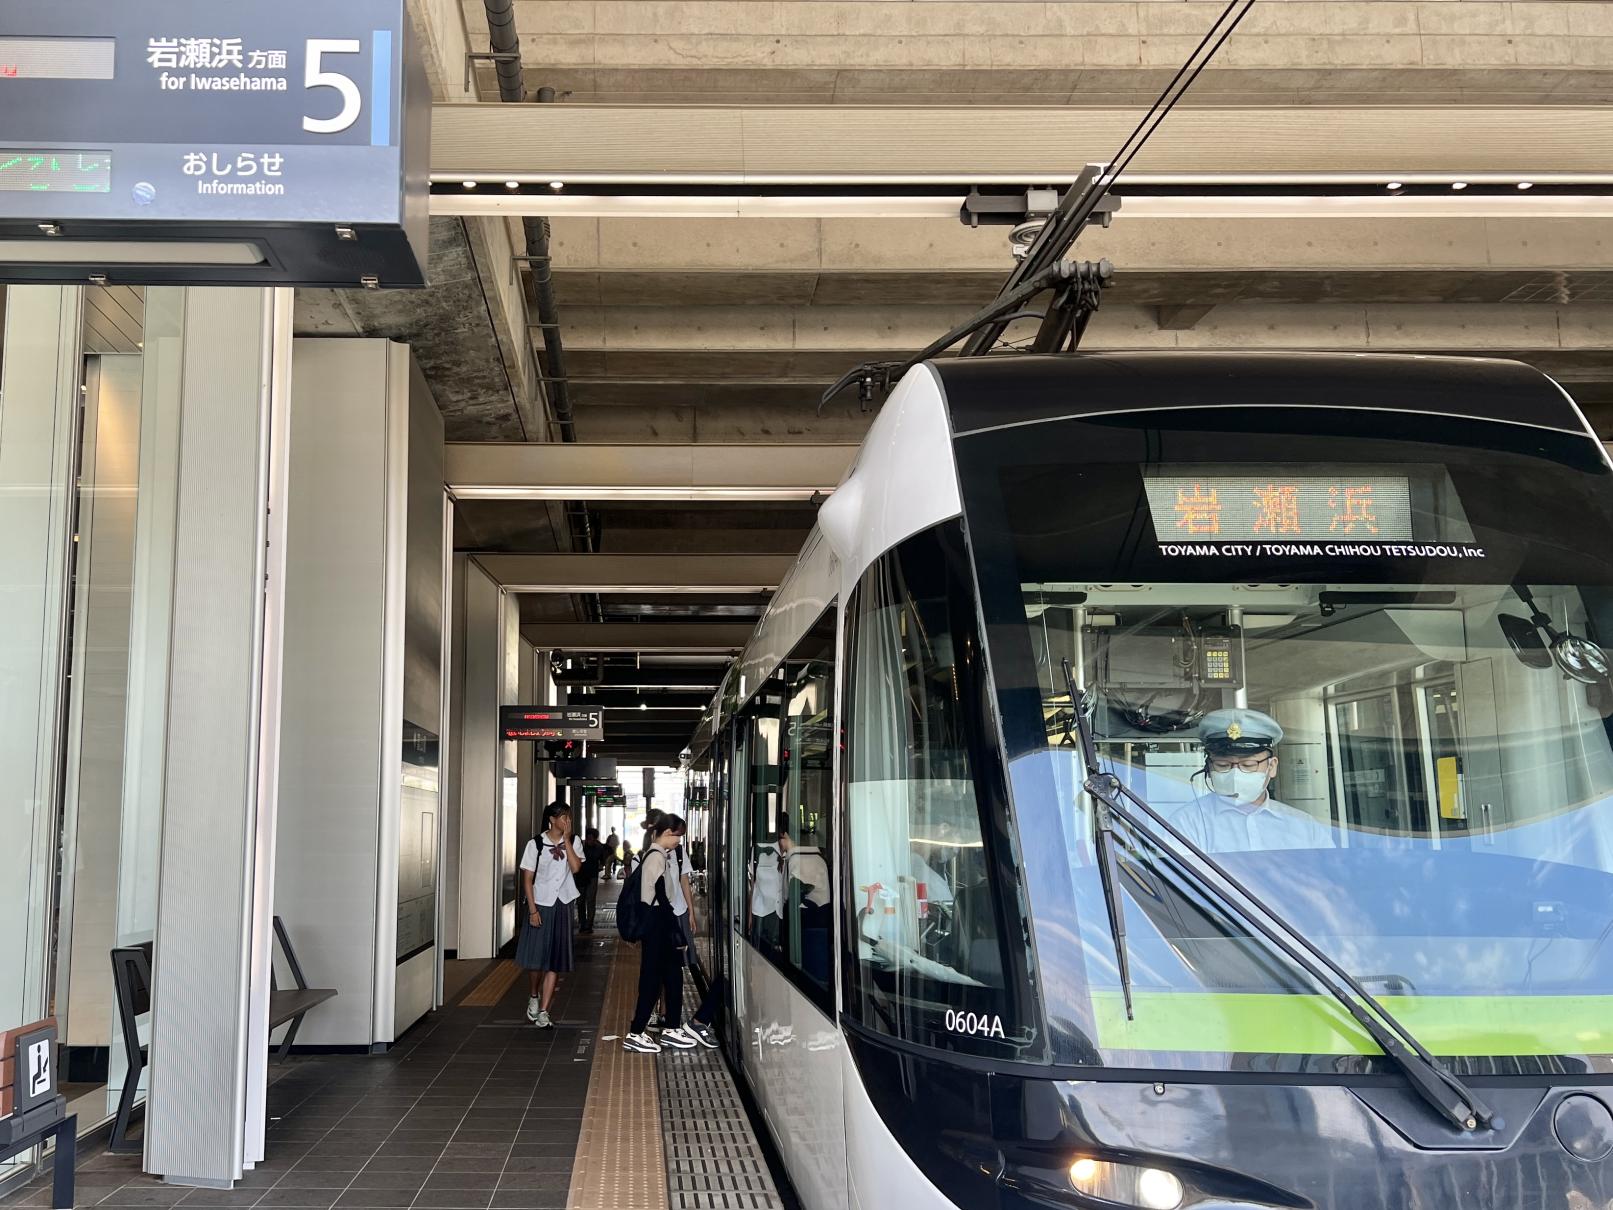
(629, 699)
(1181, 318)
(537, 471)
(676, 146)
(686, 680)
(610, 573)
(631, 636)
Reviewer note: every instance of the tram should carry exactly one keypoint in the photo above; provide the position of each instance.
(1183, 780)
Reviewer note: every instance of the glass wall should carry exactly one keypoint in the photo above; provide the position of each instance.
(89, 380)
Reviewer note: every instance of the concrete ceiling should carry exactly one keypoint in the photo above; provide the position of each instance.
(719, 330)
(1093, 52)
(451, 328)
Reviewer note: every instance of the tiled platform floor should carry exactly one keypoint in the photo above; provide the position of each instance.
(472, 1110)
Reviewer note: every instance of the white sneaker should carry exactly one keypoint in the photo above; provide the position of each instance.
(679, 1038)
(643, 1043)
(543, 1021)
(533, 1010)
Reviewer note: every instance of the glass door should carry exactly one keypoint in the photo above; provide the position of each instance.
(1370, 753)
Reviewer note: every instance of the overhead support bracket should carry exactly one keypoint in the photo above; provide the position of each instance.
(495, 56)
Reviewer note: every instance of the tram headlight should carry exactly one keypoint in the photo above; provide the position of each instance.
(1127, 1184)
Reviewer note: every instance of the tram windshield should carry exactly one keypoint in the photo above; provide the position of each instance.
(1366, 673)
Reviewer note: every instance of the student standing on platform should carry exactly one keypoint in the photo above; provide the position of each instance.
(593, 863)
(660, 972)
(548, 875)
(650, 819)
(682, 896)
(613, 858)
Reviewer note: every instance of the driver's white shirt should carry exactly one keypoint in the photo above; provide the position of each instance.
(1222, 825)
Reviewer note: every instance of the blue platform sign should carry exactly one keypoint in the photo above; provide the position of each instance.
(200, 118)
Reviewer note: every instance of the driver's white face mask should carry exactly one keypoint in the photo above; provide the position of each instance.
(1238, 785)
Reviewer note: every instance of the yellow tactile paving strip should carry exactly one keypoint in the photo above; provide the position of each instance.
(491, 989)
(620, 1161)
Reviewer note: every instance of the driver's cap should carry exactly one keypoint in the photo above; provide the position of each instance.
(1239, 732)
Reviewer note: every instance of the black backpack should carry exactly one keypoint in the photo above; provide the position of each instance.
(632, 913)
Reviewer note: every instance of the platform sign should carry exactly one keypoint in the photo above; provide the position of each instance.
(588, 771)
(28, 1077)
(551, 722)
(218, 121)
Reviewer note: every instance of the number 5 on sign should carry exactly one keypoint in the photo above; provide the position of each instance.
(317, 77)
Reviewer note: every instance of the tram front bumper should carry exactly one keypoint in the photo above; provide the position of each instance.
(1329, 1146)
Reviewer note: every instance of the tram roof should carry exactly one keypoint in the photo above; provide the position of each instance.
(984, 393)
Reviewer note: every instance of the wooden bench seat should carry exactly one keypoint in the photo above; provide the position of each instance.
(291, 1004)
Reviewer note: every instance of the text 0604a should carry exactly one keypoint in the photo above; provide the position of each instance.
(976, 1025)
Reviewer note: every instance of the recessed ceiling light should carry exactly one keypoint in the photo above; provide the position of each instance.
(557, 184)
(1458, 184)
(1526, 184)
(1395, 185)
(512, 184)
(468, 184)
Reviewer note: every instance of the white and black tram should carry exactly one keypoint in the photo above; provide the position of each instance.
(969, 967)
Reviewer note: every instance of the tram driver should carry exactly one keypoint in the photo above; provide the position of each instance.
(1237, 814)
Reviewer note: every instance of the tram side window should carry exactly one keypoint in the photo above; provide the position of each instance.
(791, 848)
(806, 781)
(924, 955)
(764, 923)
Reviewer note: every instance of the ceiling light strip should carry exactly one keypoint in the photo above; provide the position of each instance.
(1214, 180)
(644, 589)
(641, 494)
(1454, 204)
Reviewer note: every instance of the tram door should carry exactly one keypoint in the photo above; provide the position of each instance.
(718, 844)
(738, 787)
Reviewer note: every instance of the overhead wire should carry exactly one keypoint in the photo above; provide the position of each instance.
(1086, 203)
(1089, 191)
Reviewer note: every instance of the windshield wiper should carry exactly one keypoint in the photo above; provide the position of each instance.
(1103, 841)
(1435, 1083)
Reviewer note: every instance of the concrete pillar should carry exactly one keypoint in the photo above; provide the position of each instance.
(520, 755)
(209, 1010)
(483, 814)
(357, 848)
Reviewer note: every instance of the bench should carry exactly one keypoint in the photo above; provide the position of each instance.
(32, 1108)
(131, 980)
(293, 1003)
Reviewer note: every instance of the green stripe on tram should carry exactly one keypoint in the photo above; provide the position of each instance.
(1271, 1023)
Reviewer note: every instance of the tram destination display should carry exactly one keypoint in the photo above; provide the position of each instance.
(187, 141)
(550, 722)
(1279, 507)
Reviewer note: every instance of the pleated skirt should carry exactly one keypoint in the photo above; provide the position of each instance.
(548, 946)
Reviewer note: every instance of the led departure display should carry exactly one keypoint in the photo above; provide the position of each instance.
(1250, 507)
(28, 170)
(57, 58)
(550, 722)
